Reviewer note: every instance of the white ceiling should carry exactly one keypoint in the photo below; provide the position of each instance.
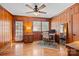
(52, 9)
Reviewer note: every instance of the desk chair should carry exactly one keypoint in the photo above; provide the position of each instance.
(52, 37)
(45, 36)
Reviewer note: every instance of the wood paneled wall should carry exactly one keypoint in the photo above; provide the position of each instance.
(28, 20)
(5, 15)
(67, 17)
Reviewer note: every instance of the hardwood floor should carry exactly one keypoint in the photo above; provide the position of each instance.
(32, 49)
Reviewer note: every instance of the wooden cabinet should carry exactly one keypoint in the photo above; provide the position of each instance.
(28, 38)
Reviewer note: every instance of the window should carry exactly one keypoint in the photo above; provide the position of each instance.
(45, 26)
(37, 26)
(5, 31)
(61, 28)
(40, 26)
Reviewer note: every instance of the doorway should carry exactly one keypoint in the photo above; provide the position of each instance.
(18, 30)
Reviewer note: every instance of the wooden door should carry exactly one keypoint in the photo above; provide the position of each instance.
(76, 27)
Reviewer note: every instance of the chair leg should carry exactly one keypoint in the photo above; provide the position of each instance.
(49, 43)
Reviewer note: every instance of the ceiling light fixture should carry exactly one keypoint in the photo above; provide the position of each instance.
(36, 13)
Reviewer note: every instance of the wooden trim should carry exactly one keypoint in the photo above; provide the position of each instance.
(31, 17)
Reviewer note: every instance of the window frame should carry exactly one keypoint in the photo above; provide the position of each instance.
(33, 27)
(41, 26)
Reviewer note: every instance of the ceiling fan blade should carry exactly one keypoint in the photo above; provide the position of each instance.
(28, 6)
(42, 12)
(30, 12)
(42, 6)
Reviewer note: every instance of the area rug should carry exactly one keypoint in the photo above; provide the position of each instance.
(43, 44)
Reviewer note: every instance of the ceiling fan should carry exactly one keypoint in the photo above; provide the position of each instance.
(36, 9)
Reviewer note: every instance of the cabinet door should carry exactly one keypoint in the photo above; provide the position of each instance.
(76, 27)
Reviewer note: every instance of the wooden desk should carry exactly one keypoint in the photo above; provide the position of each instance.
(55, 37)
(73, 48)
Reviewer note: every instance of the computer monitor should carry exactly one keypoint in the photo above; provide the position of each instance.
(52, 31)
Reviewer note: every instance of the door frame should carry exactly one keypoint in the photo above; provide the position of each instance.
(14, 32)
